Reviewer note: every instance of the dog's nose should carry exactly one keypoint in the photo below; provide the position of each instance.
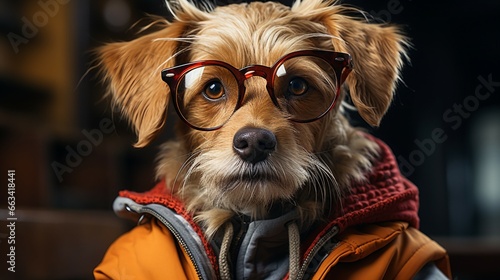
(254, 144)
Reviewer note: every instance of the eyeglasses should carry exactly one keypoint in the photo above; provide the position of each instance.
(304, 85)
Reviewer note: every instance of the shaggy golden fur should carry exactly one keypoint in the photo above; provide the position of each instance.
(313, 163)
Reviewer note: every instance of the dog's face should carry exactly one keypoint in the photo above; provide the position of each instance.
(261, 154)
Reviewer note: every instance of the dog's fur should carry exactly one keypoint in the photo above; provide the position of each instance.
(314, 163)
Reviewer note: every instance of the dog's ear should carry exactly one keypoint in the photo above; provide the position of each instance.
(378, 51)
(132, 71)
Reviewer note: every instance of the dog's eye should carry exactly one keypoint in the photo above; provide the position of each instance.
(297, 87)
(213, 90)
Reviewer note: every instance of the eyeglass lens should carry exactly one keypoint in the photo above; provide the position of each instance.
(304, 87)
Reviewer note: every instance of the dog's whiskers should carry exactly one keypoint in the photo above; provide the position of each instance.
(187, 40)
(191, 165)
(323, 183)
(162, 65)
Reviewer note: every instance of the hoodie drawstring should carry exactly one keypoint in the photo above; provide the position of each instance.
(225, 272)
(294, 248)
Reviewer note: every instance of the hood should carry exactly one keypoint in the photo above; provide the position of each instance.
(384, 196)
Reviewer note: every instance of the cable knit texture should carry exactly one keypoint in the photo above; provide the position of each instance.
(385, 196)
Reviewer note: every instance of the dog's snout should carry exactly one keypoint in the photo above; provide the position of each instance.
(254, 144)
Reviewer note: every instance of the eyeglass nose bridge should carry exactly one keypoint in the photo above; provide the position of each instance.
(263, 72)
(256, 71)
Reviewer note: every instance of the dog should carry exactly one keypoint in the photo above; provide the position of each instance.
(262, 92)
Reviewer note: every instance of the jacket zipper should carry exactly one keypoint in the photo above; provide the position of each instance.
(177, 236)
(238, 239)
(315, 249)
(328, 235)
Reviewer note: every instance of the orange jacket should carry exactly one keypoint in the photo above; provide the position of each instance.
(374, 237)
(389, 250)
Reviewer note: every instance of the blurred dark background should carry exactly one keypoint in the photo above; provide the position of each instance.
(72, 154)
